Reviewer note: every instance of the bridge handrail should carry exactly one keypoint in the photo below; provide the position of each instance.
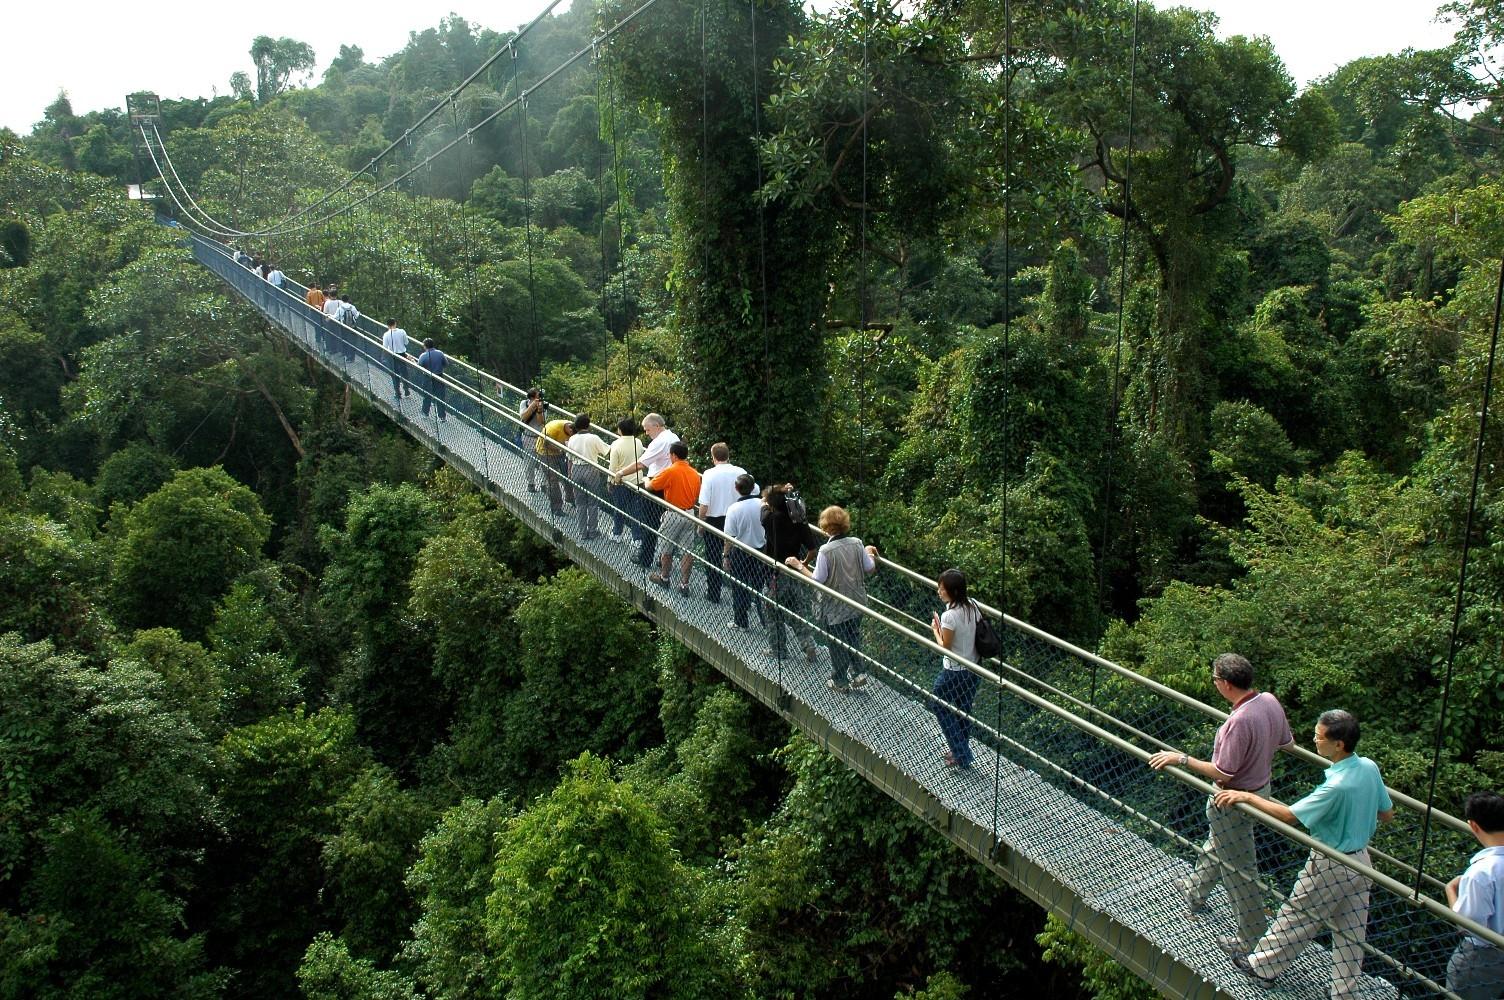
(1300, 753)
(1392, 887)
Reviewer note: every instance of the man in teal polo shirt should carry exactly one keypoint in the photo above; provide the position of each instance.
(1342, 812)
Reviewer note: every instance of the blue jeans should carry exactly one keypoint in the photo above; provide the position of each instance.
(956, 688)
(1476, 972)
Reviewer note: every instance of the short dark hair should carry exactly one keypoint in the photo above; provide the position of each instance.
(1234, 669)
(582, 422)
(428, 342)
(391, 322)
(535, 393)
(1341, 727)
(626, 427)
(1487, 810)
(720, 451)
(744, 484)
(679, 449)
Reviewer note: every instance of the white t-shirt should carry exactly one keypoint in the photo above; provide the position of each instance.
(657, 458)
(962, 622)
(276, 278)
(624, 451)
(331, 306)
(588, 448)
(718, 488)
(395, 340)
(744, 522)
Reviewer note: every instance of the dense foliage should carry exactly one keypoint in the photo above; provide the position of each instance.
(285, 706)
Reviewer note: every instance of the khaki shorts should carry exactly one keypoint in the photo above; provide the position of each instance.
(679, 529)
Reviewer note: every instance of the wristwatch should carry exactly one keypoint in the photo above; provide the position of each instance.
(1184, 760)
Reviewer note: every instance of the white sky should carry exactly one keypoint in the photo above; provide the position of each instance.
(99, 52)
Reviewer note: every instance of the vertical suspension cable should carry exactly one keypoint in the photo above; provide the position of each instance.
(1114, 403)
(600, 197)
(527, 223)
(1467, 539)
(618, 177)
(762, 270)
(863, 314)
(462, 195)
(997, 747)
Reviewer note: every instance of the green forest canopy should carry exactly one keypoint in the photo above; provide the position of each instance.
(271, 680)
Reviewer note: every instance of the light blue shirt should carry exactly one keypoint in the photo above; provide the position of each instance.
(1343, 811)
(1480, 892)
(744, 522)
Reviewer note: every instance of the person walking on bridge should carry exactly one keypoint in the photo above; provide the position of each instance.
(680, 486)
(587, 455)
(395, 342)
(654, 460)
(956, 687)
(842, 564)
(1342, 812)
(550, 451)
(533, 412)
(1242, 759)
(314, 296)
(717, 494)
(433, 362)
(1476, 969)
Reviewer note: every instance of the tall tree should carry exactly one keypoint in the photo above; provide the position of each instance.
(278, 62)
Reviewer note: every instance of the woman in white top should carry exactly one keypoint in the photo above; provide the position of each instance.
(956, 686)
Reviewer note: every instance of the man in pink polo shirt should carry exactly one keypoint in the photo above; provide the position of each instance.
(1242, 759)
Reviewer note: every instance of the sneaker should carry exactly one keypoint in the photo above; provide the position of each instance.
(684, 590)
(531, 488)
(841, 688)
(1241, 963)
(661, 581)
(733, 626)
(1193, 905)
(860, 680)
(810, 654)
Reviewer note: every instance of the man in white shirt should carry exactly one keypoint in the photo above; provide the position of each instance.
(533, 412)
(275, 277)
(587, 455)
(395, 342)
(717, 493)
(654, 460)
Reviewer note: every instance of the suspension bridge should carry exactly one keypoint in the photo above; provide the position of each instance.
(1060, 805)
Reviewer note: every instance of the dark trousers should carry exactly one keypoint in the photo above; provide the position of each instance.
(433, 394)
(714, 547)
(624, 501)
(791, 611)
(846, 644)
(394, 363)
(750, 576)
(956, 688)
(651, 517)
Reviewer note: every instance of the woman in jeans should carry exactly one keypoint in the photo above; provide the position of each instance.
(956, 686)
(842, 564)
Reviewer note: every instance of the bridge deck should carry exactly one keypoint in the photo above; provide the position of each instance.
(1052, 825)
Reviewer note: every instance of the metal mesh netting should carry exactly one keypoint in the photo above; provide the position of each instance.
(1059, 737)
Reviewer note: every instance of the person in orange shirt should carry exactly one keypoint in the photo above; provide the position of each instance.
(680, 486)
(315, 297)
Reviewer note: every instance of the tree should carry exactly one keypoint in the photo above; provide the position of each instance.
(279, 781)
(589, 900)
(181, 549)
(278, 62)
(107, 812)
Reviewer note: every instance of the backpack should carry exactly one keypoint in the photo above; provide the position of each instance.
(988, 645)
(794, 504)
